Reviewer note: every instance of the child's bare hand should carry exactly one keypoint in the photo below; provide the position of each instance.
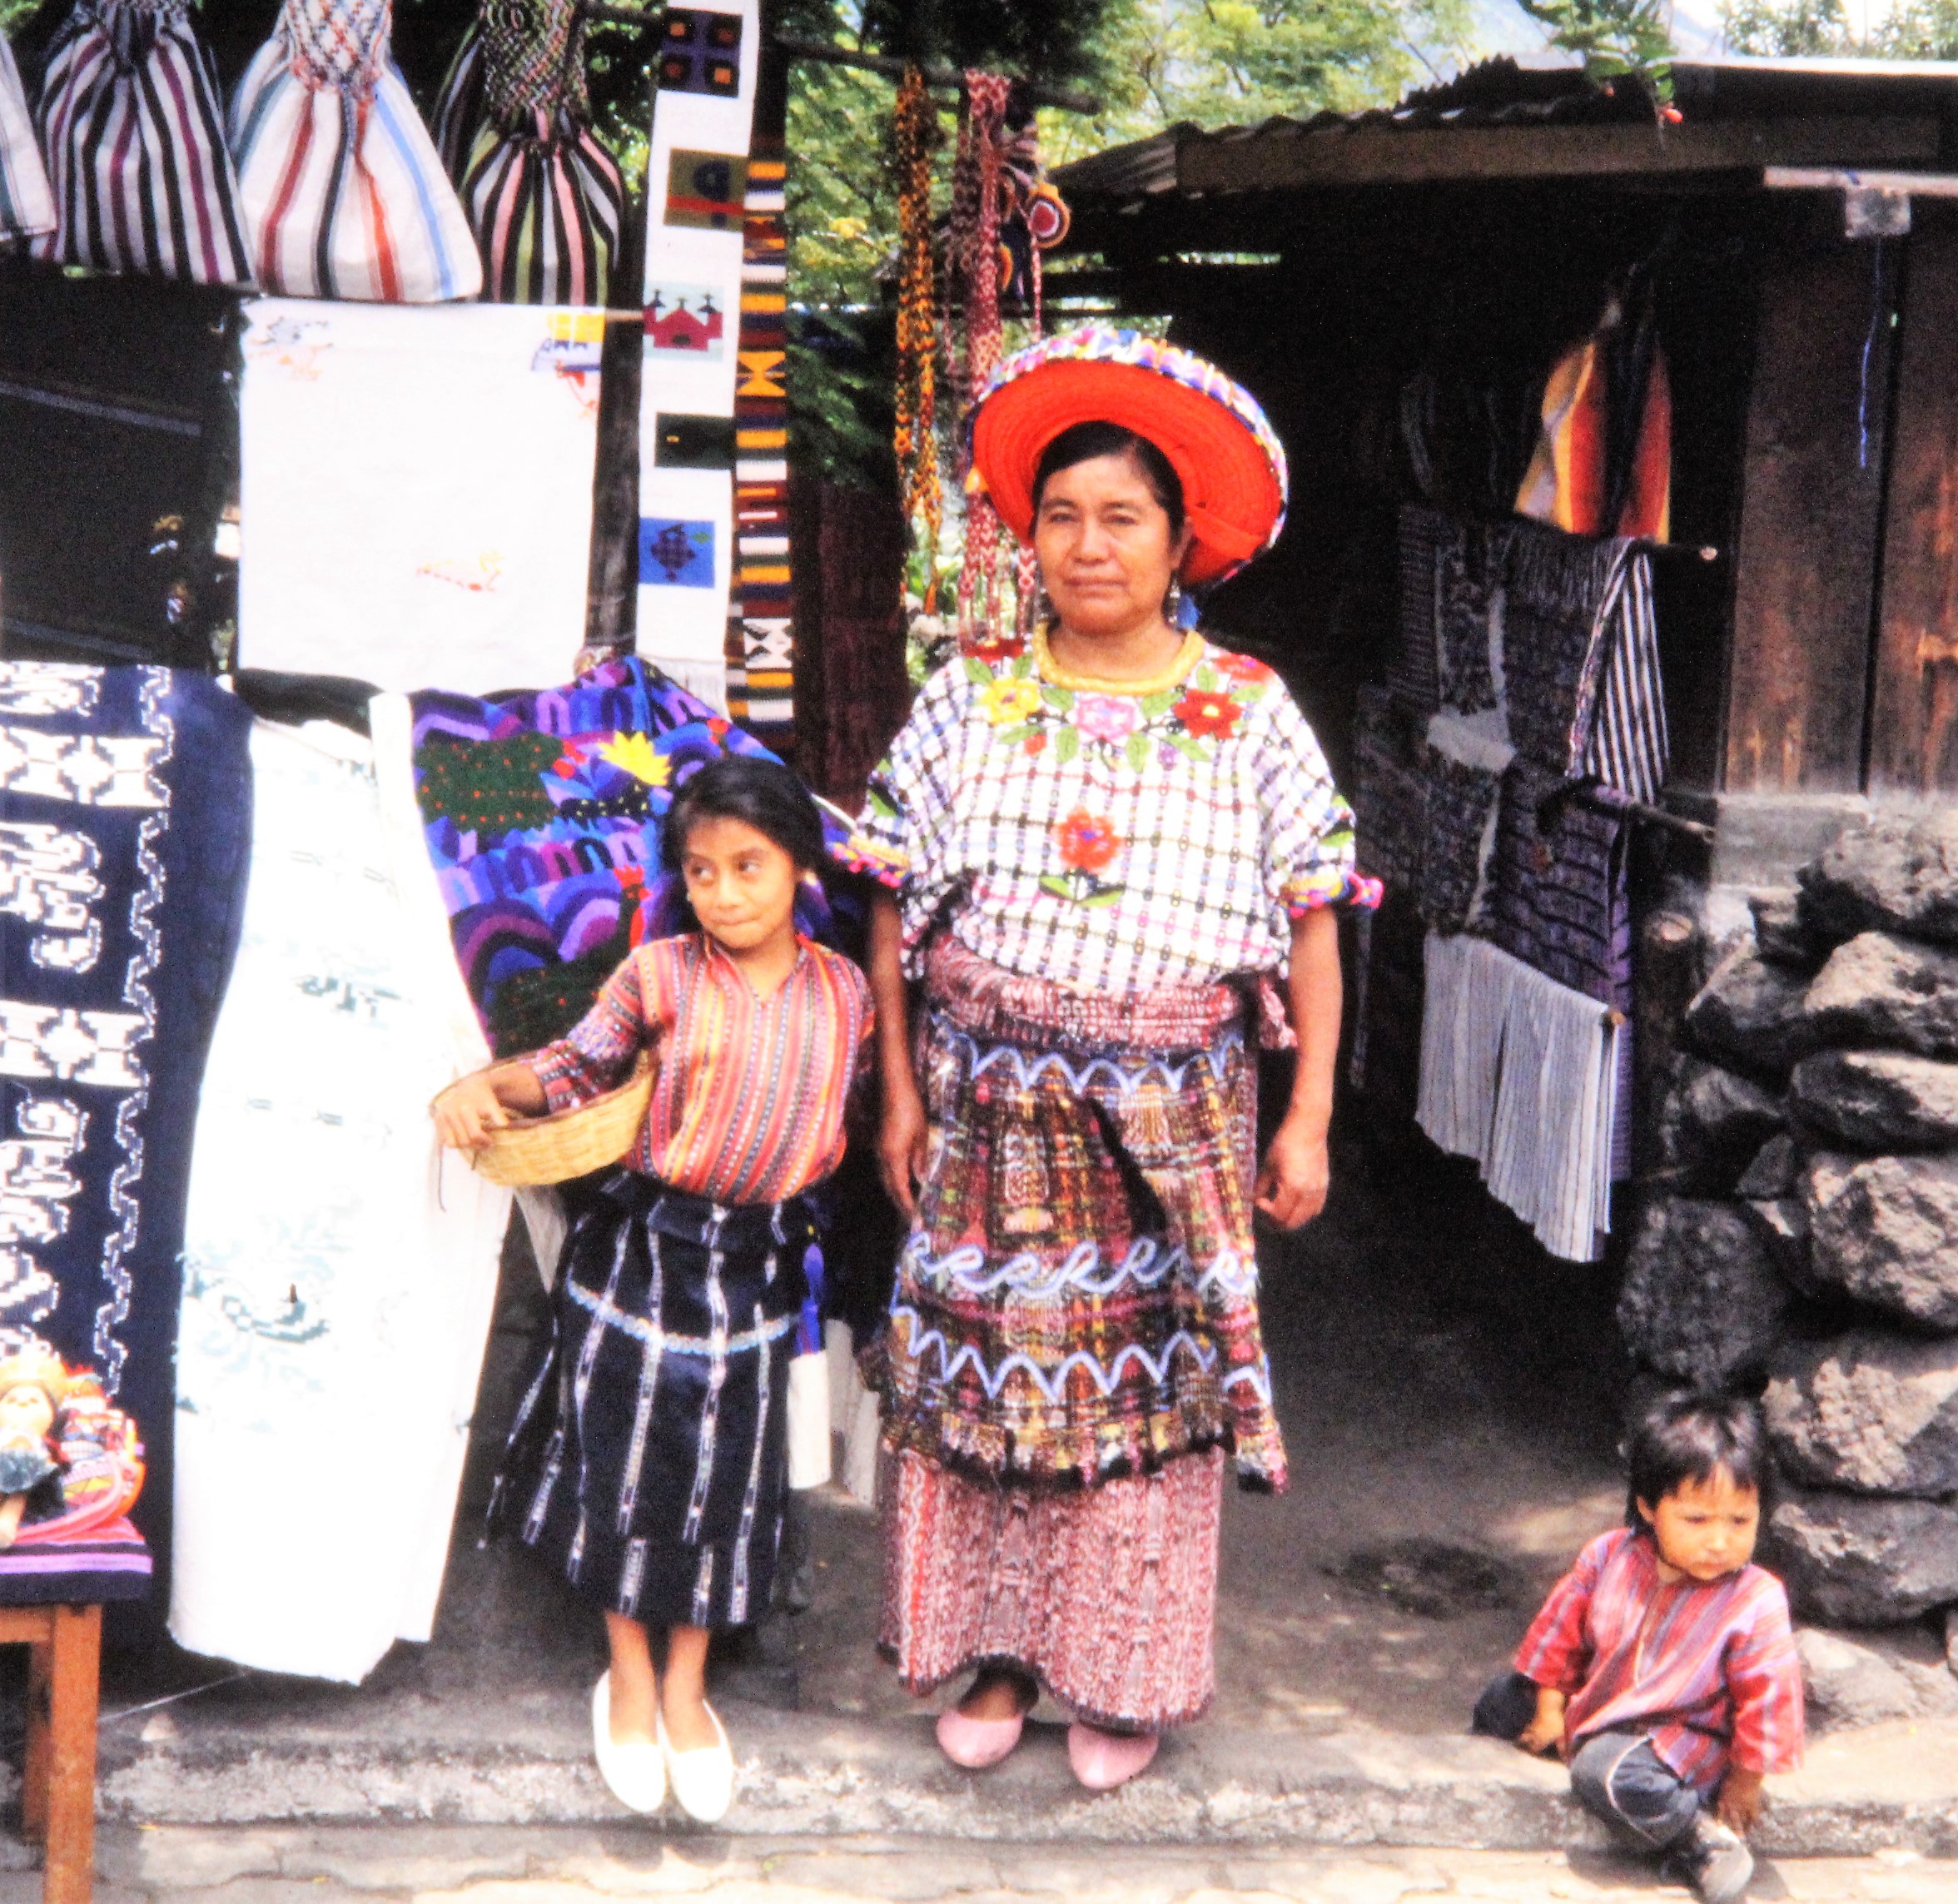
(1738, 1807)
(1541, 1736)
(467, 1112)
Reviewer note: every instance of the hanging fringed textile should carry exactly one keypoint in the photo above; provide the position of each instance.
(1035, 217)
(27, 201)
(342, 190)
(976, 259)
(915, 438)
(514, 127)
(134, 144)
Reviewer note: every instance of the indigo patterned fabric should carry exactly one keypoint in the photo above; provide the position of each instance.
(543, 813)
(125, 830)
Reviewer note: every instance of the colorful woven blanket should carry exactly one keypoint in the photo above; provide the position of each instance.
(543, 813)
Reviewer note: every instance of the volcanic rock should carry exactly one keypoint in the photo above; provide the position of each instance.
(1878, 1101)
(1859, 1560)
(1712, 1123)
(1900, 874)
(1752, 1015)
(1884, 1231)
(1701, 1300)
(1878, 990)
(1872, 1411)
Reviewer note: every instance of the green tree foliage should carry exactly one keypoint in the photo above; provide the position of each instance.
(1913, 29)
(1611, 36)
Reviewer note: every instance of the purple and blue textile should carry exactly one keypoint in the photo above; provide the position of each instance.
(543, 813)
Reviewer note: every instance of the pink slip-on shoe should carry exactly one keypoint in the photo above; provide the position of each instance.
(977, 1743)
(1102, 1760)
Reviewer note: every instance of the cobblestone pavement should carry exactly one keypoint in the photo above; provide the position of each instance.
(518, 1865)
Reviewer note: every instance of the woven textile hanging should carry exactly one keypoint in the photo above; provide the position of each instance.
(761, 630)
(134, 143)
(27, 201)
(342, 190)
(514, 127)
(915, 438)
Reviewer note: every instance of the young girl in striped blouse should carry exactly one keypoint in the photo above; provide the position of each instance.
(648, 1462)
(1662, 1666)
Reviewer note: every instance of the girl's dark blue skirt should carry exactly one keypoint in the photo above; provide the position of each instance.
(649, 1461)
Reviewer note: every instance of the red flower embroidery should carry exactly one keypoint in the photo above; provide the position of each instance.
(1210, 717)
(1240, 666)
(1003, 648)
(1086, 843)
(1036, 743)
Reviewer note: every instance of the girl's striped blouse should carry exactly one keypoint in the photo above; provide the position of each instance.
(747, 1107)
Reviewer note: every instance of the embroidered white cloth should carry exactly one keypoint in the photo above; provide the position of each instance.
(1110, 843)
(416, 492)
(1521, 1073)
(339, 1273)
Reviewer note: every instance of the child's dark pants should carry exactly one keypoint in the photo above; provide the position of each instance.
(1616, 1776)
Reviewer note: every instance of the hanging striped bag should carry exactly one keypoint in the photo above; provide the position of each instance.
(134, 144)
(342, 190)
(545, 198)
(27, 201)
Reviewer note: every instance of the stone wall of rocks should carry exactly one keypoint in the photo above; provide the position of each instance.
(1807, 1236)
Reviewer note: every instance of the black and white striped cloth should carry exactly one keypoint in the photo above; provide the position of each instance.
(133, 139)
(650, 1462)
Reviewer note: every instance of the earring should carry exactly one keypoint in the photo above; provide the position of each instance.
(1172, 608)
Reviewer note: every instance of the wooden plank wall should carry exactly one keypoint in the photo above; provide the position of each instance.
(1914, 715)
(1807, 556)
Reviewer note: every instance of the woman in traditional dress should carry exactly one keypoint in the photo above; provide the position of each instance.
(1098, 853)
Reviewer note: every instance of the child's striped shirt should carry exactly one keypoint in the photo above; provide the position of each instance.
(1708, 1673)
(748, 1104)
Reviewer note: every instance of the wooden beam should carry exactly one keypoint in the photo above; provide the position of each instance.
(1805, 565)
(1914, 707)
(1835, 178)
(1272, 161)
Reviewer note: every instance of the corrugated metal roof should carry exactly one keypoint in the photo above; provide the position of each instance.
(1899, 104)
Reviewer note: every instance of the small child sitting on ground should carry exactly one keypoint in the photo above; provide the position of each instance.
(1662, 1667)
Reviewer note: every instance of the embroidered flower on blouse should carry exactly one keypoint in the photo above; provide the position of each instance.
(1106, 718)
(1001, 648)
(1009, 699)
(1239, 667)
(1086, 844)
(634, 753)
(1210, 716)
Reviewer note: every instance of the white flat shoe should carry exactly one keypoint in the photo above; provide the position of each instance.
(703, 1780)
(635, 1774)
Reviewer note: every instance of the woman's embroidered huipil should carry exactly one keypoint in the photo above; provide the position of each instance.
(1086, 874)
(1106, 841)
(747, 1107)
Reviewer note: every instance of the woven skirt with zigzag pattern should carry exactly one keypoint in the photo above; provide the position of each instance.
(648, 1463)
(1077, 1300)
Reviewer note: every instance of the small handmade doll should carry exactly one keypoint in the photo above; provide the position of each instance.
(33, 1389)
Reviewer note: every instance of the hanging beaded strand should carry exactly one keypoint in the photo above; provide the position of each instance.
(915, 439)
(980, 592)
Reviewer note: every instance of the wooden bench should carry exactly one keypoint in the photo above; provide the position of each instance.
(57, 1787)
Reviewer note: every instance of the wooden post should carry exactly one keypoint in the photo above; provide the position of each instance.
(68, 1870)
(1804, 588)
(1914, 707)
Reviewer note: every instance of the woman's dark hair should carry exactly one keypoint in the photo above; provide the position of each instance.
(1083, 442)
(762, 793)
(1684, 1437)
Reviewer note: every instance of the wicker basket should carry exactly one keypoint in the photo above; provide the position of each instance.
(567, 1144)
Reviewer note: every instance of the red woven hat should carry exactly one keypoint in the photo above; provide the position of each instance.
(1224, 451)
